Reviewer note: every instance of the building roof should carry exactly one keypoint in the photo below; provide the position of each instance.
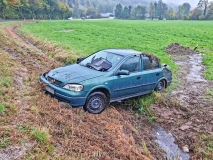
(107, 14)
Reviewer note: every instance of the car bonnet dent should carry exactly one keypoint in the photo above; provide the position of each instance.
(74, 74)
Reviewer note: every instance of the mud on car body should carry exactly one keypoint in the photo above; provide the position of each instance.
(107, 76)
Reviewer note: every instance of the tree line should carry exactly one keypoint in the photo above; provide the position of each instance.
(160, 10)
(126, 9)
(38, 9)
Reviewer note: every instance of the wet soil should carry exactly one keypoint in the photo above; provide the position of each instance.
(194, 116)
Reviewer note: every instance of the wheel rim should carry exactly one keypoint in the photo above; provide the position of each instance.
(95, 103)
(160, 86)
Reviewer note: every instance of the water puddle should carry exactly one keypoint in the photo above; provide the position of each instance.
(166, 142)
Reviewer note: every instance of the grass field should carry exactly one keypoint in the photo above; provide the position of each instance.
(86, 37)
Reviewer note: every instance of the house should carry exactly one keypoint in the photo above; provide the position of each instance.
(107, 15)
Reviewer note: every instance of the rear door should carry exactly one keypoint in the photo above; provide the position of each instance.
(151, 73)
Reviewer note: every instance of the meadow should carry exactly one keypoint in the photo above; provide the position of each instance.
(86, 37)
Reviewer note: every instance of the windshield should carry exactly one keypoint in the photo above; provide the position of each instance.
(102, 60)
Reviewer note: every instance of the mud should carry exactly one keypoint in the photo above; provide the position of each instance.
(166, 142)
(193, 117)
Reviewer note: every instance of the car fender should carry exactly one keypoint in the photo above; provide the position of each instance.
(163, 78)
(99, 87)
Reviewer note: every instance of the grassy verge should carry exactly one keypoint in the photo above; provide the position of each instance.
(6, 77)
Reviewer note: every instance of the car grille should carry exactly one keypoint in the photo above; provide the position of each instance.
(54, 81)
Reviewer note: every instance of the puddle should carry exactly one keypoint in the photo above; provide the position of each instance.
(166, 142)
(196, 70)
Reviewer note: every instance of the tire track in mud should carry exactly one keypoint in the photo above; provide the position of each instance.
(195, 115)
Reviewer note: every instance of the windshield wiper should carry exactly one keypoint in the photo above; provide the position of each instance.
(89, 65)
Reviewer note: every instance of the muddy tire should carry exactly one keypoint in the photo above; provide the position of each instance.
(160, 86)
(96, 103)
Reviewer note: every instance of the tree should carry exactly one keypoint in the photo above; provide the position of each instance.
(91, 12)
(183, 10)
(151, 10)
(118, 11)
(186, 8)
(209, 15)
(156, 9)
(195, 14)
(160, 9)
(125, 13)
(171, 14)
(204, 5)
(140, 12)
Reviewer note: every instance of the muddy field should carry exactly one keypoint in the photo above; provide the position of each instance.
(117, 133)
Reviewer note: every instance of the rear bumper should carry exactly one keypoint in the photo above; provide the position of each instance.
(75, 99)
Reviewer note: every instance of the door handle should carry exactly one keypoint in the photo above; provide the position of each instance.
(139, 77)
(157, 74)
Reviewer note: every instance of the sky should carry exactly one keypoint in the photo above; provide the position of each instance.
(179, 2)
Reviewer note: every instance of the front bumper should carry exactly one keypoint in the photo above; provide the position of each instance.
(75, 99)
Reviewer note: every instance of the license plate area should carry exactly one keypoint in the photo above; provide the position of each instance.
(50, 90)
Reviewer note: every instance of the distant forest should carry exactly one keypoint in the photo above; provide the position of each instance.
(122, 9)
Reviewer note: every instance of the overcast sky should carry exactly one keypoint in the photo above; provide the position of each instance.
(192, 2)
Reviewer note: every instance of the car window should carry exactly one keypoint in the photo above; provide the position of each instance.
(147, 64)
(155, 63)
(132, 64)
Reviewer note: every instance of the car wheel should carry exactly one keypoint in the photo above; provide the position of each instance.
(160, 86)
(96, 102)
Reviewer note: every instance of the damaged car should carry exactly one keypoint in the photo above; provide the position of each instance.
(107, 76)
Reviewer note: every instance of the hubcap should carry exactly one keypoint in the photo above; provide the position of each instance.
(160, 86)
(95, 103)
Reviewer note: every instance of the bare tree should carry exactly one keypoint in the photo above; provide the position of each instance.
(203, 4)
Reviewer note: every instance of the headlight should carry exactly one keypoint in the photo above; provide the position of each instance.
(74, 87)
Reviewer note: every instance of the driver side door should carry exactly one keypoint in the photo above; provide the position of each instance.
(127, 85)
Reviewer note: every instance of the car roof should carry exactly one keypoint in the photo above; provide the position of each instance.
(124, 52)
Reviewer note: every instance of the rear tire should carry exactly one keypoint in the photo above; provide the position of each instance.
(96, 103)
(160, 86)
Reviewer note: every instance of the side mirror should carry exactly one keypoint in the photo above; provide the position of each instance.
(79, 60)
(123, 72)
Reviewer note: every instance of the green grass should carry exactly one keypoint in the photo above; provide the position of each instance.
(206, 146)
(146, 36)
(40, 136)
(143, 105)
(6, 81)
(2, 108)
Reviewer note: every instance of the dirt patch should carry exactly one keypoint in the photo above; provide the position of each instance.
(194, 116)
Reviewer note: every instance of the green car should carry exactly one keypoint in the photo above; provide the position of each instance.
(107, 76)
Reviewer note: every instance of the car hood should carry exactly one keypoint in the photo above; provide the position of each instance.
(74, 73)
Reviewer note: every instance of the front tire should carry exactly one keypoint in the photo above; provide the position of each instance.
(96, 103)
(160, 86)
